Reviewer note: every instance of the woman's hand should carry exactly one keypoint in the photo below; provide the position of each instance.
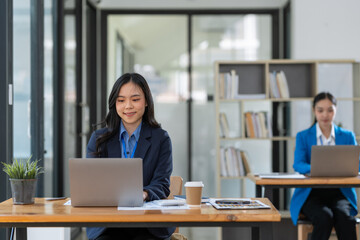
(145, 195)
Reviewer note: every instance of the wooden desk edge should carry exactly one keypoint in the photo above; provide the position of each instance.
(179, 216)
(307, 181)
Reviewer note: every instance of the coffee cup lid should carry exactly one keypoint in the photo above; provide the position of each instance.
(194, 184)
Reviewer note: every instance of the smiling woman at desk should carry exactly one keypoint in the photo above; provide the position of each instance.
(132, 131)
(325, 207)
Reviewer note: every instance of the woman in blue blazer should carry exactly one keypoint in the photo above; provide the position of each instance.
(326, 208)
(132, 131)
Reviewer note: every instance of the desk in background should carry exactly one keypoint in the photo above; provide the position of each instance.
(269, 184)
(56, 214)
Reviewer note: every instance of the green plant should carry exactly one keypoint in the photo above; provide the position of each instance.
(23, 170)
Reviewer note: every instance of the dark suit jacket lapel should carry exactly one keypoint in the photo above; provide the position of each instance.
(144, 141)
(114, 146)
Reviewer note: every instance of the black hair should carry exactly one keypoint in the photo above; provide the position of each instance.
(322, 96)
(112, 119)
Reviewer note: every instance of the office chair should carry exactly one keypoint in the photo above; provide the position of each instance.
(305, 227)
(176, 183)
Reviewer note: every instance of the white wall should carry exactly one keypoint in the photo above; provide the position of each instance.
(322, 29)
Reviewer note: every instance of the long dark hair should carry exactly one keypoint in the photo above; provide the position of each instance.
(322, 96)
(112, 119)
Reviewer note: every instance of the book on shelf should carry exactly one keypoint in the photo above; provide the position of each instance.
(250, 128)
(234, 91)
(229, 86)
(274, 90)
(258, 125)
(226, 84)
(224, 125)
(283, 85)
(269, 125)
(241, 169)
(245, 159)
(223, 165)
(222, 86)
(279, 87)
(233, 162)
(262, 122)
(229, 163)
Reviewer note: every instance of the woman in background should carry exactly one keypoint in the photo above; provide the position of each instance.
(132, 132)
(325, 207)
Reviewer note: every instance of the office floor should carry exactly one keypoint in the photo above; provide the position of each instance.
(82, 236)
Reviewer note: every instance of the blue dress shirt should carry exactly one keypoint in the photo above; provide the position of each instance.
(130, 142)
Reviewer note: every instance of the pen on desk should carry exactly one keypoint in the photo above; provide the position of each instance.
(55, 198)
(232, 202)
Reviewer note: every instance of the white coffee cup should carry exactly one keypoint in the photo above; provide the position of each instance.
(193, 193)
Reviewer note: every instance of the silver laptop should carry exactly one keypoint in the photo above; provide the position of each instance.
(106, 182)
(335, 161)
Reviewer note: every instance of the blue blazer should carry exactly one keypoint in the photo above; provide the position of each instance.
(154, 147)
(304, 140)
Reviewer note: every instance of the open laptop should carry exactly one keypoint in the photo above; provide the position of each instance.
(335, 161)
(106, 182)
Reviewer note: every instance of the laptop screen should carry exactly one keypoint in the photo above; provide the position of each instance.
(106, 182)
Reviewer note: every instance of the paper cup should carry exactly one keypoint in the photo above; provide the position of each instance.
(193, 193)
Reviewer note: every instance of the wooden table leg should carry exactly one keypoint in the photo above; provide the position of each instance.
(269, 193)
(266, 231)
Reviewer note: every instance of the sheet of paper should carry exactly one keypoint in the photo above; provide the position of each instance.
(154, 206)
(282, 175)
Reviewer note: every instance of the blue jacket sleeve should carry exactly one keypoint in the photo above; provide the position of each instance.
(158, 188)
(301, 157)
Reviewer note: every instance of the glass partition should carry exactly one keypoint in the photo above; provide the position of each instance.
(156, 47)
(21, 79)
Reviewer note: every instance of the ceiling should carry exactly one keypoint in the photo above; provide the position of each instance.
(189, 4)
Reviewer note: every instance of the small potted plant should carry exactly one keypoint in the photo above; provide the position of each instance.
(23, 179)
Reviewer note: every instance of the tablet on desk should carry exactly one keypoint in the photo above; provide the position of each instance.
(239, 203)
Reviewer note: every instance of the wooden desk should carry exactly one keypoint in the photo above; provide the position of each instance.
(55, 214)
(269, 184)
